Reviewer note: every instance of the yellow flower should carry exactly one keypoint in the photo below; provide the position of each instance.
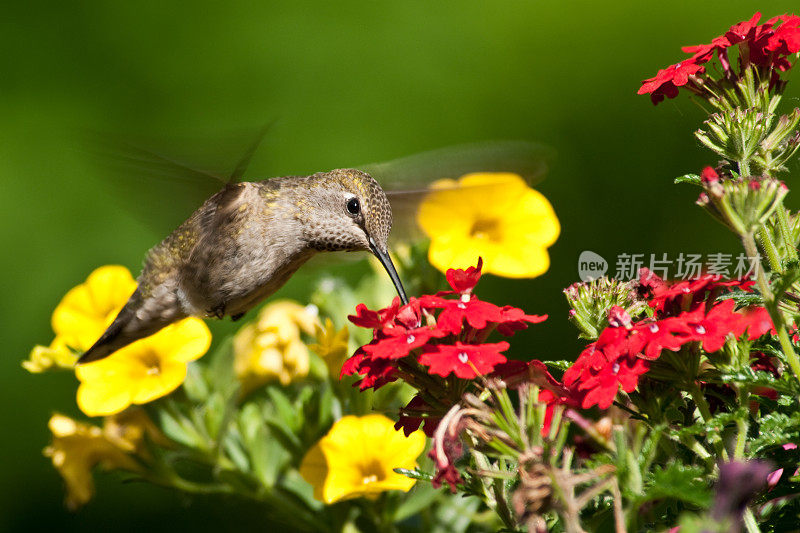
(86, 310)
(271, 348)
(82, 316)
(492, 215)
(132, 428)
(77, 448)
(332, 346)
(57, 355)
(142, 371)
(357, 458)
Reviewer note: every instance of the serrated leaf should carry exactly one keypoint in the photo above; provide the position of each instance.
(743, 299)
(679, 482)
(414, 474)
(558, 365)
(692, 179)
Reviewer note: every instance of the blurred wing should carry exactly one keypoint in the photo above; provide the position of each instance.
(406, 180)
(160, 190)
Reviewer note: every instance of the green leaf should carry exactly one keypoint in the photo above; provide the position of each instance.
(421, 496)
(266, 454)
(743, 299)
(287, 413)
(692, 179)
(414, 474)
(195, 385)
(679, 482)
(177, 430)
(558, 365)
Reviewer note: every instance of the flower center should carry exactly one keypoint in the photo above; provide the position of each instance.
(410, 339)
(653, 328)
(463, 357)
(372, 473)
(486, 229)
(151, 362)
(700, 330)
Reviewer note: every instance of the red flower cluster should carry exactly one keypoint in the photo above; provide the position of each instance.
(435, 335)
(685, 312)
(408, 332)
(765, 45)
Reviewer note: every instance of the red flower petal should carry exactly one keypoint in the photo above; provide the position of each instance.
(463, 281)
(466, 361)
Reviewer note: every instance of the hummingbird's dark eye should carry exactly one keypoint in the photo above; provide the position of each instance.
(353, 206)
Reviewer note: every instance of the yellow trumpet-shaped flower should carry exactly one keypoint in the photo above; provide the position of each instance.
(358, 457)
(142, 371)
(57, 355)
(331, 345)
(82, 316)
(77, 448)
(493, 215)
(86, 310)
(271, 346)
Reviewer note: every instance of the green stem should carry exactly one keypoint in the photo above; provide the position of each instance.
(786, 233)
(705, 413)
(772, 307)
(502, 506)
(771, 250)
(744, 168)
(750, 523)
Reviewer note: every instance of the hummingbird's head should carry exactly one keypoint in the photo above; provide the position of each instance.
(350, 212)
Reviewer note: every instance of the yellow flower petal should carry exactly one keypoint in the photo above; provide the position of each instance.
(76, 449)
(492, 215)
(358, 457)
(85, 311)
(142, 371)
(271, 347)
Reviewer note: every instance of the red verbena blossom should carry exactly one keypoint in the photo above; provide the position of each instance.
(685, 312)
(765, 46)
(432, 339)
(451, 343)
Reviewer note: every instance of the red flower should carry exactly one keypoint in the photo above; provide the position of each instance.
(668, 334)
(668, 80)
(704, 52)
(466, 361)
(478, 314)
(670, 298)
(709, 175)
(366, 318)
(786, 38)
(755, 321)
(376, 372)
(411, 417)
(712, 328)
(598, 378)
(463, 281)
(744, 30)
(399, 341)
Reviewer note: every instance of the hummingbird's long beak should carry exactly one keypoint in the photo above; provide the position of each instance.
(386, 261)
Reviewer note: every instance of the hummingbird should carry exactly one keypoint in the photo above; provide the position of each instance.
(244, 243)
(247, 239)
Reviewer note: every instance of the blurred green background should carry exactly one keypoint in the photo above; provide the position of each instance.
(347, 82)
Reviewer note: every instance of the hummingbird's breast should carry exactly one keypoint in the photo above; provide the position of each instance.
(250, 245)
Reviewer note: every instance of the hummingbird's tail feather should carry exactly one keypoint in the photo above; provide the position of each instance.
(135, 321)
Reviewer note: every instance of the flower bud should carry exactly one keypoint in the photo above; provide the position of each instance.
(743, 204)
(596, 302)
